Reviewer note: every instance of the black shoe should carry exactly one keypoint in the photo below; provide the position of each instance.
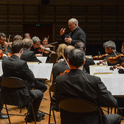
(2, 116)
(40, 116)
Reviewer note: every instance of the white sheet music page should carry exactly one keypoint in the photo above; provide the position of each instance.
(99, 69)
(42, 59)
(1, 70)
(114, 83)
(41, 71)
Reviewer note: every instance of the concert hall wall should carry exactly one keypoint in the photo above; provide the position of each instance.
(102, 20)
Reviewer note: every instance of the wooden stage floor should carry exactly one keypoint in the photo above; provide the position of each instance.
(45, 104)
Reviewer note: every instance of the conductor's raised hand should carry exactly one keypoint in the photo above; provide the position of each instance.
(62, 31)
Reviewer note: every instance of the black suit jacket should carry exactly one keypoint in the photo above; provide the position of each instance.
(88, 62)
(15, 67)
(77, 35)
(59, 68)
(77, 84)
(29, 56)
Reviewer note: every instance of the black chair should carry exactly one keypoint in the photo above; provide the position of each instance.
(52, 90)
(14, 82)
(77, 105)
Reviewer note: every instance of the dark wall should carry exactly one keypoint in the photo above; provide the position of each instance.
(102, 20)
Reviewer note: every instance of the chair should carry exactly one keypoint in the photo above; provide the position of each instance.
(14, 82)
(52, 90)
(77, 105)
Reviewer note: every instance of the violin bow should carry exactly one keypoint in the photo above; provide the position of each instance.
(65, 60)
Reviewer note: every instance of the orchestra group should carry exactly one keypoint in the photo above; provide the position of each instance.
(71, 74)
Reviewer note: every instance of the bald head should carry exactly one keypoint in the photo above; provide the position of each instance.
(67, 50)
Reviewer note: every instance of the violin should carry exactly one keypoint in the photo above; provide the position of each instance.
(43, 49)
(66, 71)
(99, 57)
(112, 68)
(114, 60)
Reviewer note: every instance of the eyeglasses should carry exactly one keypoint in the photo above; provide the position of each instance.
(3, 39)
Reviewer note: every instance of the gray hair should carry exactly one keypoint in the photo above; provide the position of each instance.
(36, 39)
(27, 43)
(74, 20)
(110, 44)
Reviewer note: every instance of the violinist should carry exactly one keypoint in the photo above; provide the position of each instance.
(60, 51)
(59, 68)
(18, 37)
(27, 35)
(62, 65)
(78, 84)
(4, 45)
(89, 61)
(36, 46)
(122, 58)
(29, 56)
(110, 49)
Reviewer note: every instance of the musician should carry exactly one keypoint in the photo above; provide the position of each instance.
(45, 41)
(76, 34)
(110, 49)
(88, 61)
(29, 56)
(15, 67)
(18, 37)
(36, 45)
(4, 45)
(60, 52)
(78, 84)
(27, 35)
(62, 65)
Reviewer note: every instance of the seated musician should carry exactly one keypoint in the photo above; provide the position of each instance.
(4, 45)
(60, 51)
(36, 46)
(110, 49)
(27, 35)
(15, 67)
(81, 45)
(45, 41)
(62, 65)
(29, 56)
(78, 84)
(18, 37)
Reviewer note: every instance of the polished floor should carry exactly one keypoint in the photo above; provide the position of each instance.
(43, 107)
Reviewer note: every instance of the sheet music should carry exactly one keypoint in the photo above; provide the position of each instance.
(99, 69)
(41, 71)
(114, 83)
(42, 59)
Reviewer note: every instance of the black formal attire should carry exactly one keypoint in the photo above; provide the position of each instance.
(77, 35)
(30, 57)
(43, 53)
(77, 84)
(59, 68)
(88, 62)
(112, 55)
(13, 66)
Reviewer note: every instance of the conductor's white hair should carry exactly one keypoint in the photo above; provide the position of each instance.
(75, 21)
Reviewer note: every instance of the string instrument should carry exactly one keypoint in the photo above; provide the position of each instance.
(112, 68)
(99, 57)
(43, 49)
(114, 60)
(50, 45)
(66, 71)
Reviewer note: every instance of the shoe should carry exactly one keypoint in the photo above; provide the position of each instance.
(40, 116)
(2, 116)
